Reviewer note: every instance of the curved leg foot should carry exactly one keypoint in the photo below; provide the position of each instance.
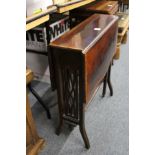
(58, 130)
(71, 127)
(84, 136)
(48, 114)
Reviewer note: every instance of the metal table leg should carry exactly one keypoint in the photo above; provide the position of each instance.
(40, 101)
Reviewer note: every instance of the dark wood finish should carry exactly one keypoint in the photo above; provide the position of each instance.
(98, 63)
(107, 80)
(107, 7)
(101, 7)
(69, 6)
(104, 85)
(81, 59)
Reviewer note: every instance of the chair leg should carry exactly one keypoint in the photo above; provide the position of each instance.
(109, 81)
(40, 101)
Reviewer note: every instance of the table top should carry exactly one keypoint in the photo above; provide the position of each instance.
(85, 35)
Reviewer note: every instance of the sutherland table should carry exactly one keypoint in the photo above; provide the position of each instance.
(81, 58)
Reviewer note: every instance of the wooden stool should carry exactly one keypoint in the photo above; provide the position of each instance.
(28, 81)
(33, 142)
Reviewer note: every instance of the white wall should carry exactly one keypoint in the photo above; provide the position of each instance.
(39, 65)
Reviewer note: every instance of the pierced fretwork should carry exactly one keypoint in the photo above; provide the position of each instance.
(71, 91)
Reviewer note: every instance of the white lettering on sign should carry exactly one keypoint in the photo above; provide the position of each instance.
(36, 38)
(59, 28)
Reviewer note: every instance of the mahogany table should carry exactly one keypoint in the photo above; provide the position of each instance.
(81, 59)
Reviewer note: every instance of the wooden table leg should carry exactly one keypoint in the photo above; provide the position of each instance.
(104, 85)
(82, 128)
(109, 81)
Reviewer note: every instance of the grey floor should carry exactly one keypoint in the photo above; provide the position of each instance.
(107, 119)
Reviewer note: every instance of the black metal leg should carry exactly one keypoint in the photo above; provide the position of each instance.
(109, 81)
(40, 101)
(104, 85)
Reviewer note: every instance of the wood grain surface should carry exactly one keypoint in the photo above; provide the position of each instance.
(95, 39)
(37, 22)
(84, 35)
(104, 7)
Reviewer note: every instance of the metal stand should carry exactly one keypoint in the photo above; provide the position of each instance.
(40, 101)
